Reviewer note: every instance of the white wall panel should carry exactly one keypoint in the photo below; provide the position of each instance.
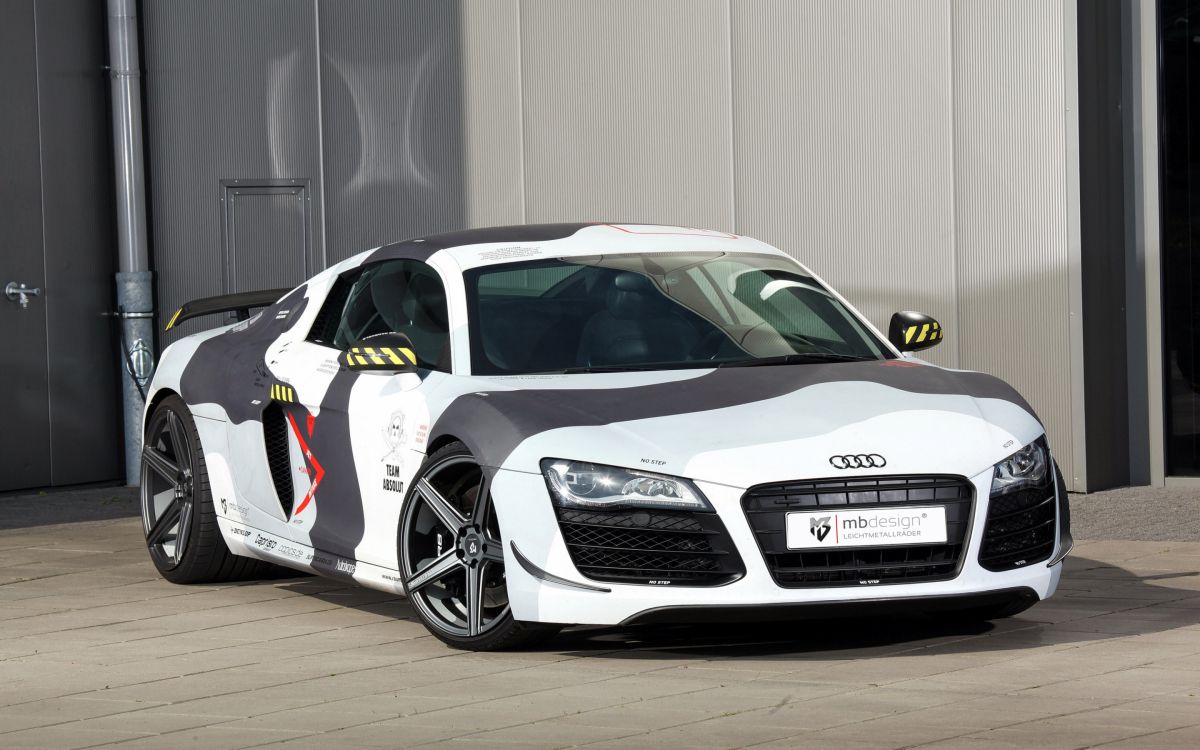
(626, 109)
(1011, 198)
(843, 145)
(916, 154)
(492, 161)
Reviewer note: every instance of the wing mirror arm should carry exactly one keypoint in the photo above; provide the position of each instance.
(385, 352)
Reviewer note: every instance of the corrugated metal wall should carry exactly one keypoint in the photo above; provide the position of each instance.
(915, 154)
(356, 103)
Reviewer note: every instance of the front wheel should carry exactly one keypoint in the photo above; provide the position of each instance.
(452, 557)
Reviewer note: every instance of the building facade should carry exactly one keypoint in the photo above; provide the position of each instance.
(994, 163)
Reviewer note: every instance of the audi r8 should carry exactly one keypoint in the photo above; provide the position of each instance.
(522, 428)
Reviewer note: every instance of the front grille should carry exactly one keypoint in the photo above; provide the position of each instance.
(767, 507)
(278, 455)
(642, 546)
(1020, 529)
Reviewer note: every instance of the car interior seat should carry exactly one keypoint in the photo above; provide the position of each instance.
(638, 324)
(414, 304)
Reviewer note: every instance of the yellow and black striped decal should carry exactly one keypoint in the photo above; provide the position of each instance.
(924, 333)
(285, 393)
(379, 358)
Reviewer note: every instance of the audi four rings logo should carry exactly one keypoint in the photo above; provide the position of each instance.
(858, 461)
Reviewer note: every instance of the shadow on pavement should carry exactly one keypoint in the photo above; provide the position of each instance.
(47, 507)
(1095, 601)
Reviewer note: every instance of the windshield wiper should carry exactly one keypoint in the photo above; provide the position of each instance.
(798, 358)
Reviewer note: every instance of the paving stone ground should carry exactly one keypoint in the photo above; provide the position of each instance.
(96, 650)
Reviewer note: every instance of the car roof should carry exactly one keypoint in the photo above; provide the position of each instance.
(471, 248)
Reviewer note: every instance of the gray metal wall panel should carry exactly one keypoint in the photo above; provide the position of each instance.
(493, 153)
(80, 241)
(626, 111)
(25, 445)
(266, 235)
(844, 148)
(1011, 199)
(1104, 236)
(229, 94)
(392, 121)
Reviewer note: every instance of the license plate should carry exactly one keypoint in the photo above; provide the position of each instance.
(866, 527)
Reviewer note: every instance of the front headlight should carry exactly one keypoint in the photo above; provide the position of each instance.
(577, 484)
(1028, 467)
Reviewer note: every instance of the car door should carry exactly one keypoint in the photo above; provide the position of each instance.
(354, 438)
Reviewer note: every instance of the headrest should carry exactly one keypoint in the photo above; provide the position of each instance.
(405, 299)
(633, 295)
(425, 303)
(388, 290)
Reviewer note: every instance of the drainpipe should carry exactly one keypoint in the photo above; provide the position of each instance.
(135, 298)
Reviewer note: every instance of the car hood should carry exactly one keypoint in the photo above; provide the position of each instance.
(746, 426)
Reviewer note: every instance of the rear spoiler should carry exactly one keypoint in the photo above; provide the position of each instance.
(241, 303)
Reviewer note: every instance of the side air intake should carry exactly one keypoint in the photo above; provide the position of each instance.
(278, 456)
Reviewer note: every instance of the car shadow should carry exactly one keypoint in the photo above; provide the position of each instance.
(1095, 601)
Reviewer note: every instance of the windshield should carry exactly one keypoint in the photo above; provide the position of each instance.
(656, 311)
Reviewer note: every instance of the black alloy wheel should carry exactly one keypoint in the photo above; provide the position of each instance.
(452, 557)
(178, 519)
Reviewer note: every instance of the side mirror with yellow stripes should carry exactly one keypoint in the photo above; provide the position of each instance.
(913, 331)
(384, 352)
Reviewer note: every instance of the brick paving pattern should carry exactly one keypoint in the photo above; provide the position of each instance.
(96, 650)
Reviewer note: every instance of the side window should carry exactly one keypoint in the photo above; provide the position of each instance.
(395, 296)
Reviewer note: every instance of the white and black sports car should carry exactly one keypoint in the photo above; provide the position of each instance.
(533, 426)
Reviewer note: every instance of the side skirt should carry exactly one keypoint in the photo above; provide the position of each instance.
(248, 541)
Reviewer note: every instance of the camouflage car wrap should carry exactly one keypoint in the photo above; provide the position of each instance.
(310, 463)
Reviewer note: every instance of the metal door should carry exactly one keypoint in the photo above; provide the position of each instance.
(58, 362)
(24, 392)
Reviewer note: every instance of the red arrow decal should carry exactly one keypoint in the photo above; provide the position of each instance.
(316, 471)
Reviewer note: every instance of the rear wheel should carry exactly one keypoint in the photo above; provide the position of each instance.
(452, 557)
(180, 524)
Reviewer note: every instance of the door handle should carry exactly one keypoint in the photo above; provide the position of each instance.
(21, 293)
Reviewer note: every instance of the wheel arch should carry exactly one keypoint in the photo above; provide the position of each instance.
(160, 395)
(439, 442)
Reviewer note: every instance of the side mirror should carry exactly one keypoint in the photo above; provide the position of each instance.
(914, 331)
(384, 352)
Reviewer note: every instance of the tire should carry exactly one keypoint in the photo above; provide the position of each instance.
(178, 518)
(450, 548)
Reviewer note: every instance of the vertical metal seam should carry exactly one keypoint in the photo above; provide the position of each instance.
(1147, 184)
(1074, 281)
(733, 186)
(521, 102)
(320, 138)
(37, 79)
(954, 244)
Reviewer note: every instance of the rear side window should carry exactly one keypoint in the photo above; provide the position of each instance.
(395, 296)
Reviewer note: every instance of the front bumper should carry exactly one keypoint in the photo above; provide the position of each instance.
(527, 520)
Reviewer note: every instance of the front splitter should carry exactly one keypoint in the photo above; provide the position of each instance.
(830, 610)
